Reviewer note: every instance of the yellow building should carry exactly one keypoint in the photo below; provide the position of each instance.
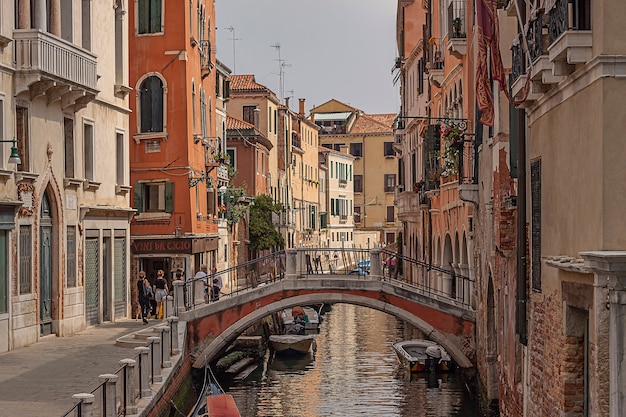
(369, 138)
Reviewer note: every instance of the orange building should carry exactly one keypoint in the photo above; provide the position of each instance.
(174, 161)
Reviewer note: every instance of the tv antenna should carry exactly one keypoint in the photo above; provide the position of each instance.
(234, 39)
(281, 71)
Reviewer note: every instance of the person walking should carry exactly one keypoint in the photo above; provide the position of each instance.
(160, 292)
(217, 277)
(215, 290)
(143, 296)
(202, 274)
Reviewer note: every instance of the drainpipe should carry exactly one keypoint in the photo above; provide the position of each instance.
(521, 320)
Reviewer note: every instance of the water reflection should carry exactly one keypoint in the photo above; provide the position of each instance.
(354, 372)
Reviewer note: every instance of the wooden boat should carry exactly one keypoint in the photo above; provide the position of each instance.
(221, 405)
(423, 355)
(291, 343)
(311, 318)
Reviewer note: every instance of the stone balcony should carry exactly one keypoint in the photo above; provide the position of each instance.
(408, 203)
(48, 65)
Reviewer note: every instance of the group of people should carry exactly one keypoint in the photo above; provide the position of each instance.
(212, 285)
(147, 293)
(152, 297)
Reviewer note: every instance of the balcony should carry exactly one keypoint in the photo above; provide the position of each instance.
(457, 36)
(409, 203)
(435, 64)
(205, 58)
(343, 183)
(571, 39)
(47, 64)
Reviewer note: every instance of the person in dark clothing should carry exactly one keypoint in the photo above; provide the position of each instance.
(215, 290)
(161, 291)
(143, 296)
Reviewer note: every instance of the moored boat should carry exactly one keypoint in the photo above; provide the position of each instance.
(291, 343)
(423, 355)
(222, 405)
(310, 319)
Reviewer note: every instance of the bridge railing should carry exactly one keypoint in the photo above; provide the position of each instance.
(428, 278)
(302, 263)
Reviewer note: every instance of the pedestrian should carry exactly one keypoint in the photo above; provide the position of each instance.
(215, 290)
(160, 292)
(202, 275)
(143, 296)
(317, 259)
(217, 277)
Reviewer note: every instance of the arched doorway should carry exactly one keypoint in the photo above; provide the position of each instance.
(45, 267)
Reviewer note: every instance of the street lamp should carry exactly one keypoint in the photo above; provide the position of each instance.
(14, 158)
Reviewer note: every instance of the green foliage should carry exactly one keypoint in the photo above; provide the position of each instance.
(263, 234)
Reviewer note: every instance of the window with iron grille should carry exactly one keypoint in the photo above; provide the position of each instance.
(70, 269)
(26, 253)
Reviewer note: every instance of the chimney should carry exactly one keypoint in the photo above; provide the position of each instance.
(301, 109)
(344, 149)
(287, 102)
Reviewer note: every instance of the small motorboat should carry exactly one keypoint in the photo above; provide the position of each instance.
(310, 319)
(423, 355)
(292, 343)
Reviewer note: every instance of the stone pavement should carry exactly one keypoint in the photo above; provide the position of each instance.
(39, 380)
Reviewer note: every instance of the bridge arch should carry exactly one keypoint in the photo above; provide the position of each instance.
(229, 318)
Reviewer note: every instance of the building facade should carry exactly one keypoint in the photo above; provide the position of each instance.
(65, 205)
(175, 136)
(369, 138)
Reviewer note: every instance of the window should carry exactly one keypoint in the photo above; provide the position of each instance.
(120, 79)
(151, 104)
(71, 257)
(535, 198)
(248, 114)
(149, 16)
(86, 24)
(337, 146)
(120, 167)
(23, 137)
(356, 149)
(88, 148)
(357, 214)
(390, 214)
(390, 238)
(25, 271)
(154, 197)
(390, 183)
(389, 149)
(210, 201)
(358, 183)
(68, 127)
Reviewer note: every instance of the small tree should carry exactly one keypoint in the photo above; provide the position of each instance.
(263, 234)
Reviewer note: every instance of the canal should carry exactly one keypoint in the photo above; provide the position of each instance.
(354, 372)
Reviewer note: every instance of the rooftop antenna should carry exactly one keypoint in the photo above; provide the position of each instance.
(234, 39)
(281, 65)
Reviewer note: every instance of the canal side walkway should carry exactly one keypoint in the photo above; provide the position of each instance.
(40, 379)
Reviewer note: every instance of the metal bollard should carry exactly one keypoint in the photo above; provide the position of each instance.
(155, 358)
(109, 400)
(85, 409)
(143, 373)
(165, 346)
(129, 405)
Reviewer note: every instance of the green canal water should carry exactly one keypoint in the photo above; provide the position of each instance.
(353, 372)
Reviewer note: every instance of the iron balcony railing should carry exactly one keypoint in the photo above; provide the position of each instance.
(568, 15)
(518, 65)
(534, 37)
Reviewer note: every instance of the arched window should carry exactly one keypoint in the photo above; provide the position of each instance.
(151, 104)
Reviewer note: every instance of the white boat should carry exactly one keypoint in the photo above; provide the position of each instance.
(292, 343)
(311, 319)
(423, 355)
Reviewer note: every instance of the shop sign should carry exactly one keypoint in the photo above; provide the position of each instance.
(161, 246)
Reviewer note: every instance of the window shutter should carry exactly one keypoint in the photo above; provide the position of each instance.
(226, 89)
(155, 16)
(146, 106)
(138, 197)
(143, 16)
(156, 99)
(169, 197)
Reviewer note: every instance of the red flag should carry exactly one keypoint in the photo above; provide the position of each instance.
(489, 40)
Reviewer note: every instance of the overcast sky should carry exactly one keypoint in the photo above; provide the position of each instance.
(341, 49)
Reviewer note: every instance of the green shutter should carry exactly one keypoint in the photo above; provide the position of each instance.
(143, 16)
(138, 197)
(155, 16)
(169, 197)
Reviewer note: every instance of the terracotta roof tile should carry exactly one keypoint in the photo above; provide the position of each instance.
(242, 83)
(235, 123)
(373, 123)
